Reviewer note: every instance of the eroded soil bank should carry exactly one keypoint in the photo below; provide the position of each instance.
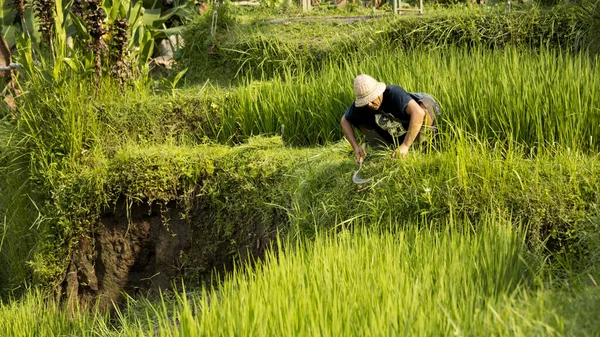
(141, 247)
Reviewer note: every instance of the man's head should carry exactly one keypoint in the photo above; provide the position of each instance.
(367, 91)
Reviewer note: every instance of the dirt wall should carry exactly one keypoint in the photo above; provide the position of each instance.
(142, 247)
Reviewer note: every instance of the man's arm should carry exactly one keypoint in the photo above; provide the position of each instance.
(417, 117)
(349, 133)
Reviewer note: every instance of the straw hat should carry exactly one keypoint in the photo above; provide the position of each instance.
(366, 89)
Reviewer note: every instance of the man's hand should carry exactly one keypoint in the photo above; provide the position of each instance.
(400, 152)
(360, 153)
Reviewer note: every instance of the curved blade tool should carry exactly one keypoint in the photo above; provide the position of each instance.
(356, 179)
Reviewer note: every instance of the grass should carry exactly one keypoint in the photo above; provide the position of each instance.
(417, 279)
(418, 282)
(264, 187)
(454, 241)
(534, 98)
(267, 48)
(516, 104)
(19, 218)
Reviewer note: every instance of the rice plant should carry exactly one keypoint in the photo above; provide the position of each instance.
(532, 98)
(416, 282)
(418, 279)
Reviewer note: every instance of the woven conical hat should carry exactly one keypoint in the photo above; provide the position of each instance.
(4, 57)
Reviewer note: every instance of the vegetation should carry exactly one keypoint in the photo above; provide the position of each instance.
(555, 197)
(504, 95)
(263, 49)
(417, 279)
(493, 230)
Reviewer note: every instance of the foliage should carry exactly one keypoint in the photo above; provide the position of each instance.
(75, 38)
(263, 49)
(312, 283)
(509, 147)
(71, 144)
(590, 11)
(243, 187)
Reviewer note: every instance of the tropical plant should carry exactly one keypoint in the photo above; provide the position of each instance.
(17, 16)
(90, 38)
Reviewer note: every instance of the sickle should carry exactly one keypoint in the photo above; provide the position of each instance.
(356, 179)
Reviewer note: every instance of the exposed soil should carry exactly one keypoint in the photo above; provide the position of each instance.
(151, 248)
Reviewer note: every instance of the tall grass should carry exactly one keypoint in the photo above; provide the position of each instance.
(37, 314)
(266, 186)
(537, 98)
(19, 215)
(533, 98)
(417, 282)
(271, 48)
(495, 104)
(419, 279)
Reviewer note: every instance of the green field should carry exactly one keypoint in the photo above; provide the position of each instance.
(233, 179)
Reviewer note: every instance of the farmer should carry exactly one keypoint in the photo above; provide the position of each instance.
(389, 117)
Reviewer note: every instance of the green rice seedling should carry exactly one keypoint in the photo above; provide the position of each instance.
(37, 314)
(417, 281)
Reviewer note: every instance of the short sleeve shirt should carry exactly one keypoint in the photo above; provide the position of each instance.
(395, 100)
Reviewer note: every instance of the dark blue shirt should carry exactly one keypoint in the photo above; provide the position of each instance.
(395, 100)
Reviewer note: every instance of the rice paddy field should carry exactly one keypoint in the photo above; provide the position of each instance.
(493, 231)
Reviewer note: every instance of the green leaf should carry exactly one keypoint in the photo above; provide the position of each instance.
(180, 11)
(179, 76)
(71, 63)
(146, 48)
(112, 11)
(25, 52)
(151, 17)
(135, 13)
(8, 32)
(7, 16)
(80, 26)
(31, 23)
(153, 4)
(172, 30)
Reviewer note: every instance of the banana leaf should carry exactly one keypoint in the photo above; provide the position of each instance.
(152, 18)
(7, 14)
(8, 32)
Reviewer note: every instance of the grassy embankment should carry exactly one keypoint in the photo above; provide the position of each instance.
(266, 49)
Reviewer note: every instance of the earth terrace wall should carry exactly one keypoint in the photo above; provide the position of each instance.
(266, 48)
(151, 215)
